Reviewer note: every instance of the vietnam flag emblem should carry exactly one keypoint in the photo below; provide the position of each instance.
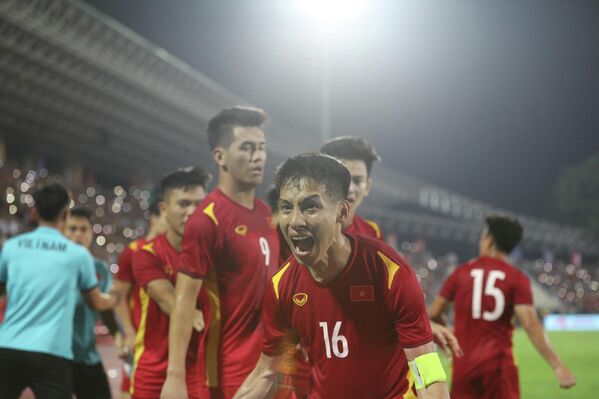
(362, 293)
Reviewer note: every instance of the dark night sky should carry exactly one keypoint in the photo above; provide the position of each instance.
(490, 100)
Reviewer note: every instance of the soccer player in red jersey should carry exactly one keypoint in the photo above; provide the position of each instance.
(228, 244)
(128, 311)
(154, 269)
(357, 155)
(352, 301)
(487, 292)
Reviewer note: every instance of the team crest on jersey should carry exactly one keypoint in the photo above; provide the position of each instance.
(169, 270)
(300, 299)
(241, 230)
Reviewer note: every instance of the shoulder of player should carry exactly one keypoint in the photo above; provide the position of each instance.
(280, 280)
(371, 225)
(381, 258)
(149, 248)
(213, 210)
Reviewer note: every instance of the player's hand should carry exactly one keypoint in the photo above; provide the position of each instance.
(446, 340)
(174, 388)
(198, 320)
(125, 343)
(565, 377)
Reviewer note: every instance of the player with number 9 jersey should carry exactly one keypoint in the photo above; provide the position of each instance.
(485, 291)
(230, 247)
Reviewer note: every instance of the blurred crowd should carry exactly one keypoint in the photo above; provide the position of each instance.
(121, 215)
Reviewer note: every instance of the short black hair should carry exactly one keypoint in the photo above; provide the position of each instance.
(184, 178)
(154, 209)
(351, 147)
(320, 168)
(50, 200)
(82, 212)
(506, 232)
(272, 197)
(220, 127)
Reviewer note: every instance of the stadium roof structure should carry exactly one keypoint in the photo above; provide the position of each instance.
(73, 80)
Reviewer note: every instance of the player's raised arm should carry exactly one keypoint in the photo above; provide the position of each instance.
(537, 335)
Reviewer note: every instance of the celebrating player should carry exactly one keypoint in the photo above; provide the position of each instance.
(352, 301)
(487, 292)
(89, 377)
(228, 244)
(154, 269)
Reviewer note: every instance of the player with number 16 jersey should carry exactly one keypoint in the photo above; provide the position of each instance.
(230, 247)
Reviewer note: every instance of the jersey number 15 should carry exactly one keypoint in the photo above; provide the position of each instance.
(490, 290)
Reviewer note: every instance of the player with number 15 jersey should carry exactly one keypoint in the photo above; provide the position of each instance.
(485, 291)
(230, 247)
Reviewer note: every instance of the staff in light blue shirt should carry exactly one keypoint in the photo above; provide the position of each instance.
(89, 378)
(44, 273)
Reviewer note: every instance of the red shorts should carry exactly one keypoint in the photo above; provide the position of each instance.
(497, 384)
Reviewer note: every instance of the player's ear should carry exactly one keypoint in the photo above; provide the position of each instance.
(219, 157)
(343, 212)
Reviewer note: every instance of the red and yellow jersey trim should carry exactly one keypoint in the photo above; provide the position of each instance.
(140, 337)
(209, 211)
(375, 227)
(277, 278)
(392, 268)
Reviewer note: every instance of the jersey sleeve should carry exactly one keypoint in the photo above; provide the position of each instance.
(522, 291)
(200, 243)
(276, 330)
(409, 310)
(105, 279)
(87, 272)
(449, 287)
(147, 267)
(3, 265)
(125, 272)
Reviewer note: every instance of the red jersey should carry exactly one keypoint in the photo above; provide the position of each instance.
(125, 274)
(485, 291)
(230, 247)
(354, 328)
(155, 260)
(365, 228)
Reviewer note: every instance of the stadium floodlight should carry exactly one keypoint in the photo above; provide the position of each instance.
(329, 18)
(331, 15)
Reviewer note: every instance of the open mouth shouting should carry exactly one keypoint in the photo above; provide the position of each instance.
(302, 245)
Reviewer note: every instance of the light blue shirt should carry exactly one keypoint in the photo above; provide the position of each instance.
(84, 333)
(44, 273)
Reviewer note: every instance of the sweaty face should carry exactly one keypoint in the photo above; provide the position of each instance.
(360, 183)
(245, 157)
(79, 230)
(178, 206)
(309, 219)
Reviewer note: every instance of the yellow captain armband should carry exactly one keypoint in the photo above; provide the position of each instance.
(426, 370)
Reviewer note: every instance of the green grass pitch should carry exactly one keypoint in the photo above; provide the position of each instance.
(580, 352)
